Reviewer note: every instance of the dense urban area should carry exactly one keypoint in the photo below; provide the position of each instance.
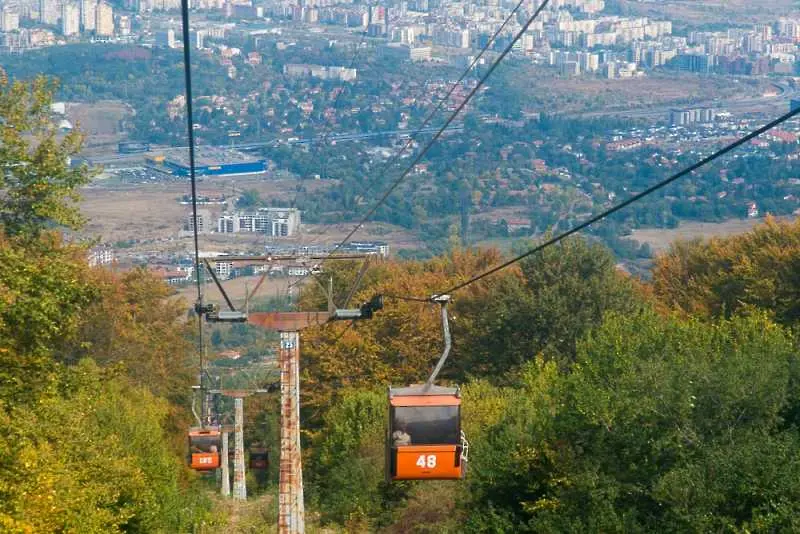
(640, 376)
(320, 99)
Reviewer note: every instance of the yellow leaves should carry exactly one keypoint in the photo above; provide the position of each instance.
(87, 461)
(722, 276)
(402, 342)
(541, 505)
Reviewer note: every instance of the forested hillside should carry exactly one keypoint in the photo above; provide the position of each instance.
(592, 402)
(94, 365)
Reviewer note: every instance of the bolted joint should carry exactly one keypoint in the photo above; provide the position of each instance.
(204, 309)
(365, 311)
(369, 308)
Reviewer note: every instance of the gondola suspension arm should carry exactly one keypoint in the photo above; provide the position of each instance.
(442, 300)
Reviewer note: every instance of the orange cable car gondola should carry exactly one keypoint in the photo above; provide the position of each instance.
(259, 458)
(204, 445)
(424, 440)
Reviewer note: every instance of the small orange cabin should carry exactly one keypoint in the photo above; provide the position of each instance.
(259, 458)
(204, 444)
(424, 439)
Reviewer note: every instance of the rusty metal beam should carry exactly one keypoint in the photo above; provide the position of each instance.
(237, 393)
(288, 321)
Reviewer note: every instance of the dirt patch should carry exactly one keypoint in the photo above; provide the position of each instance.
(602, 96)
(152, 216)
(237, 288)
(98, 120)
(660, 239)
(140, 213)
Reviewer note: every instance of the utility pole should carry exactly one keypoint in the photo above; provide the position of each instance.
(239, 475)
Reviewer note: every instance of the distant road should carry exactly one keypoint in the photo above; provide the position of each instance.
(741, 105)
(118, 158)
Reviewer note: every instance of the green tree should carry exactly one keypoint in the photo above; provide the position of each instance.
(663, 425)
(44, 286)
(348, 456)
(249, 199)
(559, 294)
(40, 187)
(91, 456)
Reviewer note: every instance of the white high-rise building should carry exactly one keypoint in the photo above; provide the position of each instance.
(166, 38)
(48, 11)
(88, 14)
(70, 19)
(104, 21)
(9, 19)
(124, 25)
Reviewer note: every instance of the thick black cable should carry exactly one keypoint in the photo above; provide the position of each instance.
(628, 202)
(390, 163)
(450, 91)
(444, 126)
(187, 71)
(441, 130)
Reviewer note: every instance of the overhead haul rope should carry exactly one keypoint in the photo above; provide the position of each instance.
(187, 72)
(446, 124)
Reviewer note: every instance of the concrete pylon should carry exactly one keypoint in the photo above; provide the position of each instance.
(239, 486)
(225, 462)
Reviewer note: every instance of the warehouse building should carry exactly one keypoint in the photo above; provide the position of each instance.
(211, 162)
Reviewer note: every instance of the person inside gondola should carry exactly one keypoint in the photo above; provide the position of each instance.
(400, 437)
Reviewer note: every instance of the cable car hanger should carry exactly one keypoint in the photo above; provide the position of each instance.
(443, 301)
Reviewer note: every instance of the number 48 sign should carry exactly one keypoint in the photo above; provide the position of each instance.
(428, 461)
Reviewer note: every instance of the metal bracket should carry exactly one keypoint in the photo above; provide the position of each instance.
(219, 285)
(442, 300)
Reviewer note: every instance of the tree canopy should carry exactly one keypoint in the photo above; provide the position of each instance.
(94, 369)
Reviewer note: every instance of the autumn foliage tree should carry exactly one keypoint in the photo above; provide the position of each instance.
(39, 185)
(721, 276)
(402, 342)
(89, 360)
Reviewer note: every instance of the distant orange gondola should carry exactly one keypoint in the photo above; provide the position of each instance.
(259, 458)
(204, 445)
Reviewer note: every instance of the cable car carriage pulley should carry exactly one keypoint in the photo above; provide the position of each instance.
(424, 440)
